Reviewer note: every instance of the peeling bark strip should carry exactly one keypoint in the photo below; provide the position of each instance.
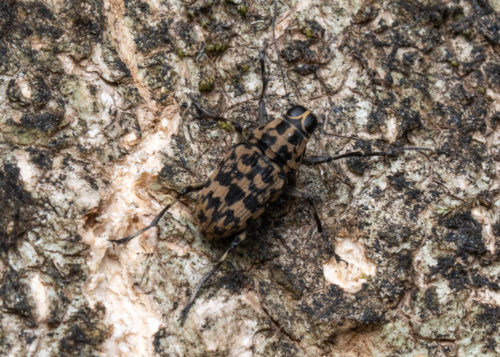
(95, 126)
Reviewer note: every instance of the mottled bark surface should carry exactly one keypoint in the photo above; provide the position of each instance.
(98, 133)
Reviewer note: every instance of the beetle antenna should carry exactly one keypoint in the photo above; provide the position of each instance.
(275, 12)
(262, 115)
(315, 160)
(239, 238)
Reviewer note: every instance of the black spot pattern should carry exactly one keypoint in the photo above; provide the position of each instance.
(226, 175)
(284, 154)
(256, 169)
(267, 174)
(213, 202)
(249, 160)
(252, 203)
(282, 127)
(202, 217)
(234, 195)
(223, 178)
(268, 140)
(295, 139)
(231, 219)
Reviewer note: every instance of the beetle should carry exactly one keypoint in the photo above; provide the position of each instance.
(253, 174)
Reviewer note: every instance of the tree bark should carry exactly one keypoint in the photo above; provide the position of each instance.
(98, 132)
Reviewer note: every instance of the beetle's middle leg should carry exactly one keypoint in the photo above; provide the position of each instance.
(236, 241)
(296, 193)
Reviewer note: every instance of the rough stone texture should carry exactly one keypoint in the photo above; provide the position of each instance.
(98, 132)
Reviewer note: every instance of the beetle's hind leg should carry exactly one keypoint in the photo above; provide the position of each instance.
(236, 241)
(155, 221)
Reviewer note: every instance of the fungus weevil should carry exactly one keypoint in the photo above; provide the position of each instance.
(253, 174)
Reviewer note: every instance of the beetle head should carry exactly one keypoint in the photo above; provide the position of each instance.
(302, 119)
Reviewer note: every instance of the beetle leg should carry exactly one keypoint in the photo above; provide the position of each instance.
(214, 116)
(155, 221)
(262, 116)
(315, 160)
(236, 241)
(296, 193)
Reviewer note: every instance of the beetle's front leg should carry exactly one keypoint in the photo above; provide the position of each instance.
(214, 116)
(392, 151)
(262, 116)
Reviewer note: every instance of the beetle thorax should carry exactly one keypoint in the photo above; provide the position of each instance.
(282, 142)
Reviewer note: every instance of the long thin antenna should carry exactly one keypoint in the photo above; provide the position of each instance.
(262, 116)
(314, 160)
(276, 47)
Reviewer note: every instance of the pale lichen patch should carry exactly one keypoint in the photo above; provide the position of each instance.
(28, 172)
(40, 298)
(352, 275)
(224, 311)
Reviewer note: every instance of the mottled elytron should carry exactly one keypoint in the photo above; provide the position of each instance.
(253, 174)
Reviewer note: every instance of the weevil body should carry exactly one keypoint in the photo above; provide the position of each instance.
(253, 174)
